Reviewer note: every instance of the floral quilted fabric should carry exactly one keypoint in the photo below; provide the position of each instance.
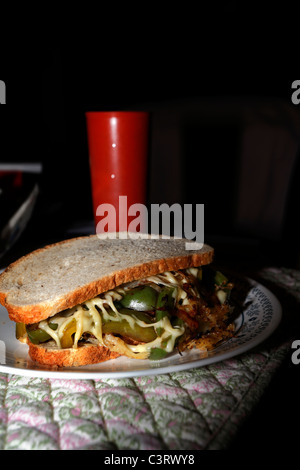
(190, 410)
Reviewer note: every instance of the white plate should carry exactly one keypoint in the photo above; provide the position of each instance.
(260, 316)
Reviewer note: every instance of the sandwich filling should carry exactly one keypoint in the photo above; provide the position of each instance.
(148, 318)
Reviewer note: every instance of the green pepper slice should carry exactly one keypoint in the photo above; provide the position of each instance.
(165, 303)
(136, 332)
(157, 353)
(67, 340)
(220, 279)
(20, 330)
(37, 335)
(142, 299)
(213, 278)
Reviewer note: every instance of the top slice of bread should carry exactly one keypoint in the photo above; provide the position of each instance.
(67, 273)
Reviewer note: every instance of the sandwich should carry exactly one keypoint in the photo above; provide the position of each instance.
(91, 299)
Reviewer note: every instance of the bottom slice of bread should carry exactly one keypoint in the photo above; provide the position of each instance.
(83, 355)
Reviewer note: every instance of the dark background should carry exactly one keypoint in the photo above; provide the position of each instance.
(200, 110)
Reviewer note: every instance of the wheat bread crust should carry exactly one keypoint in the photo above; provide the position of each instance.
(35, 312)
(83, 355)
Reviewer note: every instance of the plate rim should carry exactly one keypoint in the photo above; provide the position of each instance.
(163, 369)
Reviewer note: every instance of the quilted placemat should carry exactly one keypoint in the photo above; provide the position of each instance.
(191, 410)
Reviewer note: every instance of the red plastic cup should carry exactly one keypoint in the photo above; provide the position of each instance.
(118, 152)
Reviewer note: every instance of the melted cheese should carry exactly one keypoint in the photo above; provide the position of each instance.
(89, 320)
(167, 339)
(90, 315)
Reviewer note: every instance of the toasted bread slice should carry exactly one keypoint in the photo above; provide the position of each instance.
(88, 353)
(59, 276)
